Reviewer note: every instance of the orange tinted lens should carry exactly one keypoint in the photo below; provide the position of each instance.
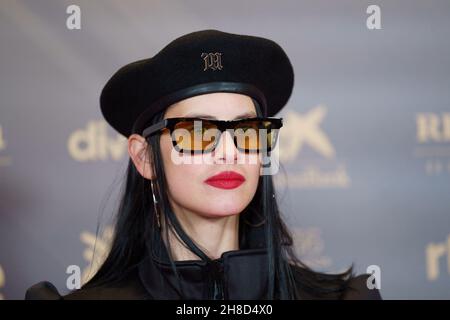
(194, 136)
(250, 135)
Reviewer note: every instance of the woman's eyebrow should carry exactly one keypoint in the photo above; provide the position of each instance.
(207, 116)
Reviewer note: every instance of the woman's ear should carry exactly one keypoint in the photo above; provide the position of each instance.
(138, 151)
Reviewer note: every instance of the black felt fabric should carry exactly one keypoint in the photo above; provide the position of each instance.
(142, 85)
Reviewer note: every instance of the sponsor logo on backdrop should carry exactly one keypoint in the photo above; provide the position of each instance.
(5, 159)
(309, 247)
(437, 259)
(433, 142)
(96, 250)
(2, 282)
(93, 143)
(309, 152)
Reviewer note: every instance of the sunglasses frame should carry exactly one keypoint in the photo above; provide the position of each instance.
(222, 125)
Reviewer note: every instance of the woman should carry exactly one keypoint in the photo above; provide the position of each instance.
(199, 217)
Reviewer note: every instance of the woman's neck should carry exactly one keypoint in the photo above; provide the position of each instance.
(212, 235)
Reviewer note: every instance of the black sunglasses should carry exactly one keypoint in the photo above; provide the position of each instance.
(197, 135)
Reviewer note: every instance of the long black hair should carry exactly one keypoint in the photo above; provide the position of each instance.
(136, 228)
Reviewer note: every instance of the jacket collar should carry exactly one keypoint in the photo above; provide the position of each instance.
(236, 275)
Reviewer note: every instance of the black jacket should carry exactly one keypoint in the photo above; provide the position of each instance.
(238, 274)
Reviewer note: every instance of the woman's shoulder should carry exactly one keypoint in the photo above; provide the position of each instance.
(345, 286)
(126, 289)
(43, 290)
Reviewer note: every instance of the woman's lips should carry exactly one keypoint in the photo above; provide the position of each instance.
(226, 180)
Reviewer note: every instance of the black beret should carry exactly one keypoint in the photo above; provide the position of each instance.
(197, 63)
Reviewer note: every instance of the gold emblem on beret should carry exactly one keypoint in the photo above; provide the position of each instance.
(213, 60)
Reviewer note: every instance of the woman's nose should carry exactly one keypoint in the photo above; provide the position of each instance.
(225, 149)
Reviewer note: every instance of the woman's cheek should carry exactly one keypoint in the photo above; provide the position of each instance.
(178, 182)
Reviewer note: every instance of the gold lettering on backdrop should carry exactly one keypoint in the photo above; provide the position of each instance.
(2, 281)
(304, 129)
(96, 250)
(434, 253)
(432, 127)
(301, 131)
(313, 177)
(212, 60)
(5, 160)
(2, 140)
(93, 143)
(433, 137)
(309, 246)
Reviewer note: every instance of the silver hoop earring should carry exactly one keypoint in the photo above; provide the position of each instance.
(155, 204)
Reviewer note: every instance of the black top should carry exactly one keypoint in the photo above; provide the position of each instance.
(134, 288)
(241, 274)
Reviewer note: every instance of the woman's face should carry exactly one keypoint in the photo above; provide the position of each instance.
(188, 190)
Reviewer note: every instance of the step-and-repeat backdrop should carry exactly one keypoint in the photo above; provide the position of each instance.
(365, 150)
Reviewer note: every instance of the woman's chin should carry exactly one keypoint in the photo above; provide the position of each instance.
(214, 212)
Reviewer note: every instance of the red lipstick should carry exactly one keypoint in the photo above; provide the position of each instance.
(226, 180)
